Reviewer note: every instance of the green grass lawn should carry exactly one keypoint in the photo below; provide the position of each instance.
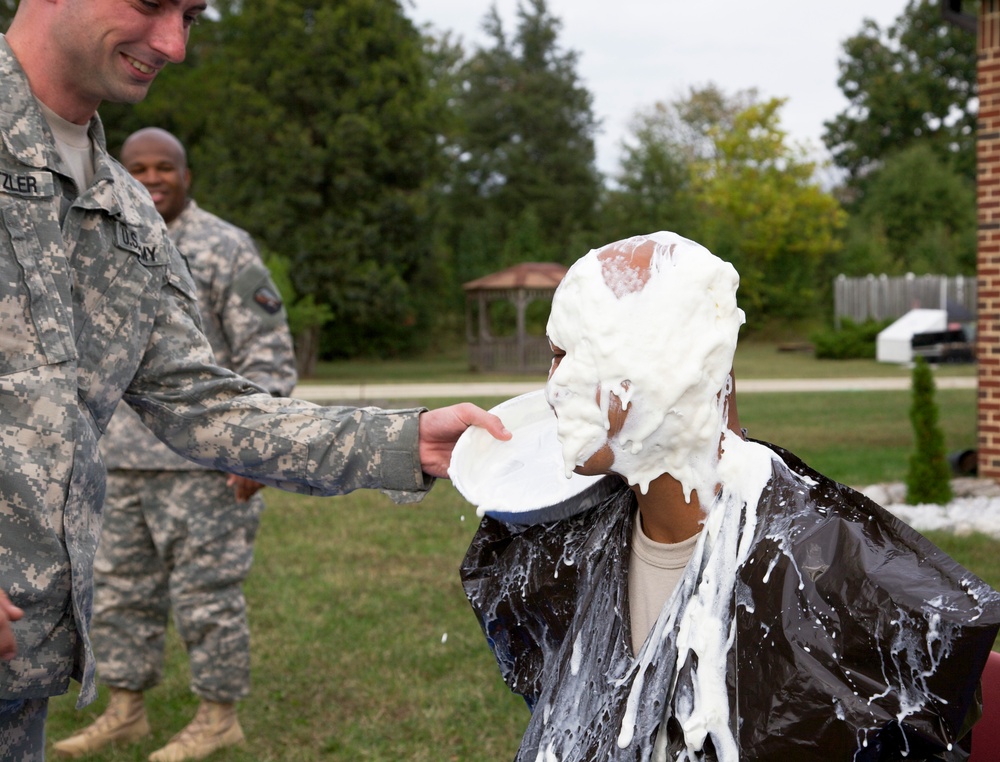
(857, 438)
(364, 647)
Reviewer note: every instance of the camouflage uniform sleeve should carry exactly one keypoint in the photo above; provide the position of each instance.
(254, 321)
(223, 421)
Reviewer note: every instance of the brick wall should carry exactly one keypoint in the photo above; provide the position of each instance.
(988, 190)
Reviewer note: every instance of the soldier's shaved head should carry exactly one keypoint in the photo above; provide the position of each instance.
(157, 159)
(158, 137)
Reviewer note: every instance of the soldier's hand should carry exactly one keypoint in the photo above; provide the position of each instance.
(8, 613)
(441, 428)
(243, 488)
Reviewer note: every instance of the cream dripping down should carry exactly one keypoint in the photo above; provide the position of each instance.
(681, 326)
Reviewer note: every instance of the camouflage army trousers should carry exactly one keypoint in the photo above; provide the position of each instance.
(174, 540)
(22, 729)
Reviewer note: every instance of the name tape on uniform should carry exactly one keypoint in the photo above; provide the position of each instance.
(29, 184)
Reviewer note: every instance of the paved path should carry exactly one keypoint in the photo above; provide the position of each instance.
(363, 392)
(846, 384)
(328, 392)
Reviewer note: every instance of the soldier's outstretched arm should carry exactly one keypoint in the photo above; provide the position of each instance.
(8, 613)
(441, 428)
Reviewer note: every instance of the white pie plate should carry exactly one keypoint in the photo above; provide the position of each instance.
(522, 480)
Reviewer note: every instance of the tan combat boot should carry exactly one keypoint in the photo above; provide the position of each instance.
(123, 721)
(215, 726)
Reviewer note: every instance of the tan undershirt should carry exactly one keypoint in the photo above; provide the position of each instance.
(74, 146)
(654, 568)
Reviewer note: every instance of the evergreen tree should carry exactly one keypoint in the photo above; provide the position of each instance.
(928, 479)
(311, 124)
(523, 150)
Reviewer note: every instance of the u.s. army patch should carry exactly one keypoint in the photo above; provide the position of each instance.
(128, 239)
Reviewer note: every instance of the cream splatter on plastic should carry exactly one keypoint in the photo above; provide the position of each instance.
(682, 323)
(662, 340)
(704, 629)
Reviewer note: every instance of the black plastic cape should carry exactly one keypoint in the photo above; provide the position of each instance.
(850, 635)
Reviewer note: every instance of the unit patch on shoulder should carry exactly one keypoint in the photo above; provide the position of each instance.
(269, 301)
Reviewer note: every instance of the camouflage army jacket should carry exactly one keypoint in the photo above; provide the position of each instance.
(96, 306)
(244, 321)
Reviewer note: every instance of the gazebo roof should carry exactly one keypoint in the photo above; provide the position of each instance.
(535, 275)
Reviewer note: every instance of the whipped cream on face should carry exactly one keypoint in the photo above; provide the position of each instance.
(662, 339)
(682, 324)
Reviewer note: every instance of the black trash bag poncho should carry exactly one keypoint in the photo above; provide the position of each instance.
(840, 634)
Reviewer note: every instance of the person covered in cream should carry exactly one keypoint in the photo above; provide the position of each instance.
(725, 602)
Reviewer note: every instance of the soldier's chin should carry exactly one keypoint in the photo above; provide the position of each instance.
(132, 93)
(599, 464)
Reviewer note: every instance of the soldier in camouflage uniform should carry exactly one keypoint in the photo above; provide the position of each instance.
(176, 535)
(96, 306)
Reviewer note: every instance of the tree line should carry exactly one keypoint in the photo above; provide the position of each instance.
(380, 166)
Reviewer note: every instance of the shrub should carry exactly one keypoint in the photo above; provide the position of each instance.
(852, 341)
(928, 479)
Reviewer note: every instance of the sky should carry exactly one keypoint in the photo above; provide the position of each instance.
(633, 53)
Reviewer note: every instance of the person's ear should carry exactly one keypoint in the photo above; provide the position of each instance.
(733, 421)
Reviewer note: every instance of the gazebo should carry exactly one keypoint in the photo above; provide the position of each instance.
(521, 285)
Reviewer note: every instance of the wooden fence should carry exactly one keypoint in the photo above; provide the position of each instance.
(881, 297)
